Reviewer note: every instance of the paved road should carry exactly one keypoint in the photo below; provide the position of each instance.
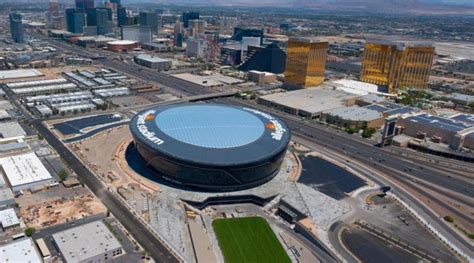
(146, 238)
(157, 250)
(423, 211)
(395, 163)
(334, 232)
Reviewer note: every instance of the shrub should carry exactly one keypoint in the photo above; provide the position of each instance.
(29, 231)
(448, 219)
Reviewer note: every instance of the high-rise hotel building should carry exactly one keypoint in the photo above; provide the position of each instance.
(397, 66)
(305, 62)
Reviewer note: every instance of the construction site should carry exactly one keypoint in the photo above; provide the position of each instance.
(58, 205)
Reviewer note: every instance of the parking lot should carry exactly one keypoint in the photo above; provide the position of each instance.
(77, 125)
(327, 177)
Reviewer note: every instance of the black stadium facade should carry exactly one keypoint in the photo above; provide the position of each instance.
(211, 146)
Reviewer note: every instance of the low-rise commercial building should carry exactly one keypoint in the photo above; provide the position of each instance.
(392, 110)
(43, 111)
(452, 132)
(10, 130)
(213, 80)
(308, 103)
(19, 73)
(354, 117)
(44, 89)
(23, 250)
(262, 78)
(6, 197)
(58, 98)
(25, 171)
(153, 62)
(465, 118)
(73, 107)
(92, 242)
(114, 92)
(8, 218)
(24, 84)
(358, 87)
(460, 99)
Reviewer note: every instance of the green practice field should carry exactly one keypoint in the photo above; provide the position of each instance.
(248, 239)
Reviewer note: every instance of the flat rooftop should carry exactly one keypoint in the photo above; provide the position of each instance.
(11, 130)
(8, 218)
(312, 100)
(465, 118)
(86, 241)
(358, 87)
(442, 123)
(209, 80)
(468, 99)
(23, 250)
(23, 84)
(19, 73)
(153, 59)
(307, 39)
(24, 169)
(355, 113)
(5, 193)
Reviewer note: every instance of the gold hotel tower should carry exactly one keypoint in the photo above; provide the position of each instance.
(305, 62)
(397, 66)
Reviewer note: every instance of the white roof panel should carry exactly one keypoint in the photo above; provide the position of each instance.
(19, 73)
(86, 241)
(8, 218)
(23, 250)
(24, 169)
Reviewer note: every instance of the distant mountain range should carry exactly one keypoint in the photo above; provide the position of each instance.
(382, 6)
(395, 6)
(313, 2)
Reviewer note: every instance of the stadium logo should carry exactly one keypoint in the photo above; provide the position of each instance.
(143, 129)
(274, 124)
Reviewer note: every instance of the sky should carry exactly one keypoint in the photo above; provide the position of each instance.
(448, 2)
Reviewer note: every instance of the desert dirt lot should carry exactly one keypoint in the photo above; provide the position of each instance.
(104, 153)
(58, 205)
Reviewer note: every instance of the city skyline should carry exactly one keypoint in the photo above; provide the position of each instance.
(236, 131)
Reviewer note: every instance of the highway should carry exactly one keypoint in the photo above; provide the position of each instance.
(400, 164)
(381, 161)
(374, 174)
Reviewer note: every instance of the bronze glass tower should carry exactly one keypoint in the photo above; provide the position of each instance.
(397, 66)
(305, 62)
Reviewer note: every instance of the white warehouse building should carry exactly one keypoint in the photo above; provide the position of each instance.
(23, 250)
(92, 242)
(25, 171)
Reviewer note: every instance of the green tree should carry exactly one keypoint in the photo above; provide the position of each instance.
(448, 219)
(29, 231)
(63, 174)
(368, 132)
(350, 130)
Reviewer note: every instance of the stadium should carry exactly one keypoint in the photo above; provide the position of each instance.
(210, 147)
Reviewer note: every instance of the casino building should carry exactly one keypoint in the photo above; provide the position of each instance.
(211, 147)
